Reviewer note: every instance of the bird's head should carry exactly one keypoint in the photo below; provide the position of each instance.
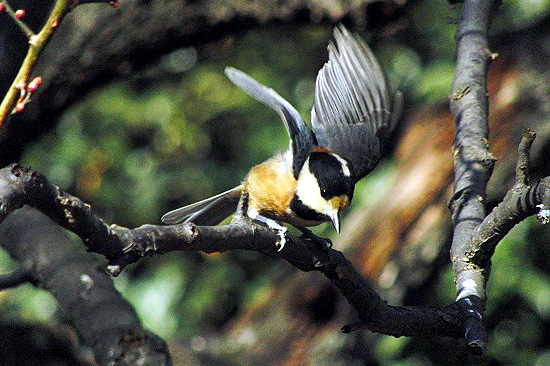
(324, 187)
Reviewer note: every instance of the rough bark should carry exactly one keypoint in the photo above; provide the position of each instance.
(86, 295)
(122, 246)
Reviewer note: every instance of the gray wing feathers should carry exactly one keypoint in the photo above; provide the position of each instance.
(265, 95)
(353, 96)
(210, 211)
(301, 138)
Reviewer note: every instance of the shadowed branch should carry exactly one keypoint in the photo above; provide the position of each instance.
(476, 234)
(122, 246)
(105, 321)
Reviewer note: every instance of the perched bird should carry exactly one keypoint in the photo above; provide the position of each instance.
(313, 181)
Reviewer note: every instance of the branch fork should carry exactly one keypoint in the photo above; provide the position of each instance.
(121, 246)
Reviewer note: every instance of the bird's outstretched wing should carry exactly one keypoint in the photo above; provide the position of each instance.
(355, 108)
(301, 137)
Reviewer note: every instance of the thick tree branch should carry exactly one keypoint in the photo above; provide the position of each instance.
(472, 160)
(19, 186)
(476, 235)
(86, 295)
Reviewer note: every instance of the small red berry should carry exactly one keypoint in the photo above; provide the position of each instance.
(2, 7)
(20, 13)
(115, 4)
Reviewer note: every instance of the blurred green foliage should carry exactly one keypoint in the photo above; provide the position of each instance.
(180, 132)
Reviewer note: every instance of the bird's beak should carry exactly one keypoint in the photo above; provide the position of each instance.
(335, 220)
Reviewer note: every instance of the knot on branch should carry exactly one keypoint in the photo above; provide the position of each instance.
(460, 91)
(474, 151)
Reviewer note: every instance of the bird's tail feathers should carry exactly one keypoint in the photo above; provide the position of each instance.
(210, 211)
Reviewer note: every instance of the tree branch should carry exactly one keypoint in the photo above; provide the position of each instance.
(122, 246)
(24, 28)
(472, 159)
(474, 240)
(476, 235)
(522, 166)
(86, 295)
(18, 94)
(520, 202)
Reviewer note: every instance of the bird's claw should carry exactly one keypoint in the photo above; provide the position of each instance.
(322, 242)
(317, 263)
(281, 241)
(279, 229)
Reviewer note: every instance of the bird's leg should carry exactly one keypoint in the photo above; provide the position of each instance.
(308, 234)
(279, 229)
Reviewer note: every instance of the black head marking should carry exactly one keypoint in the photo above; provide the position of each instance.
(306, 213)
(329, 172)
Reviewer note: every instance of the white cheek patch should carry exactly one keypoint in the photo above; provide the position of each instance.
(345, 167)
(307, 189)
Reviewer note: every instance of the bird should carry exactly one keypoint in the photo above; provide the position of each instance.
(354, 112)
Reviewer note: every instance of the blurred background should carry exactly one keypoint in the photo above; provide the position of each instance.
(174, 130)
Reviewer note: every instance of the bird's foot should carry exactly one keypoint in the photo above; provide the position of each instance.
(308, 235)
(281, 234)
(279, 229)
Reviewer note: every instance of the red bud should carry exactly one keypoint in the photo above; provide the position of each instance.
(37, 80)
(34, 84)
(20, 13)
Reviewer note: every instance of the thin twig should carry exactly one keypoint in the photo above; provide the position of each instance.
(522, 166)
(36, 45)
(37, 42)
(24, 27)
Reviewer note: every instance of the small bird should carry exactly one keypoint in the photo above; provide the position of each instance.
(312, 182)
